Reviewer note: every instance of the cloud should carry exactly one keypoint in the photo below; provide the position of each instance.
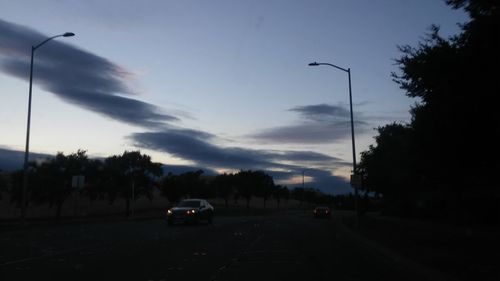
(180, 169)
(322, 112)
(321, 123)
(195, 146)
(76, 76)
(198, 147)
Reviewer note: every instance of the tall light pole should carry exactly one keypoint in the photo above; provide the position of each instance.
(355, 185)
(303, 190)
(303, 171)
(27, 151)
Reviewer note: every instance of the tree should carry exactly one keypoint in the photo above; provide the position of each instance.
(280, 192)
(95, 180)
(17, 187)
(171, 188)
(263, 185)
(450, 143)
(456, 81)
(130, 175)
(193, 184)
(253, 183)
(224, 186)
(190, 184)
(388, 166)
(298, 194)
(244, 185)
(50, 181)
(3, 184)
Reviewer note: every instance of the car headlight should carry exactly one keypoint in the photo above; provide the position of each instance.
(169, 212)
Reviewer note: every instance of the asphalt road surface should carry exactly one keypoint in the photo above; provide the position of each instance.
(282, 246)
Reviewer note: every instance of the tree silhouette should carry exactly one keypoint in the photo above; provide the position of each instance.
(3, 184)
(449, 144)
(224, 186)
(50, 181)
(171, 188)
(263, 185)
(130, 175)
(280, 192)
(189, 184)
(244, 185)
(389, 166)
(253, 183)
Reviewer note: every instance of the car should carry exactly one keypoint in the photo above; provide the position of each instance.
(190, 211)
(322, 212)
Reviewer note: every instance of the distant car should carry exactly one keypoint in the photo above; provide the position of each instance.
(322, 212)
(190, 211)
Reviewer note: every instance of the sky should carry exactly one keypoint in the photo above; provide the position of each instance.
(218, 85)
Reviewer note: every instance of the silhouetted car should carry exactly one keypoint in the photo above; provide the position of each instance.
(322, 212)
(190, 211)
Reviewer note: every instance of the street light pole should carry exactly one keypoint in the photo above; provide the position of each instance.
(303, 192)
(354, 166)
(303, 179)
(26, 151)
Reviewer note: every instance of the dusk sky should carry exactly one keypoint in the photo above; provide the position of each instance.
(222, 85)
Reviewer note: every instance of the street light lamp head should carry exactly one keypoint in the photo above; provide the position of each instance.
(68, 34)
(313, 64)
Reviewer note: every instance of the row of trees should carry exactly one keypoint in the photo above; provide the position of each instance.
(244, 184)
(133, 175)
(52, 181)
(446, 159)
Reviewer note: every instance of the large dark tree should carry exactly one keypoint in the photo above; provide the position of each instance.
(263, 185)
(172, 188)
(51, 181)
(224, 186)
(189, 184)
(452, 145)
(244, 185)
(253, 183)
(130, 175)
(3, 183)
(279, 193)
(389, 167)
(95, 180)
(456, 81)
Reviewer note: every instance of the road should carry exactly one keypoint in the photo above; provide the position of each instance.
(282, 246)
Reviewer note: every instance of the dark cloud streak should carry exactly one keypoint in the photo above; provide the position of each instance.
(320, 124)
(196, 146)
(76, 76)
(321, 112)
